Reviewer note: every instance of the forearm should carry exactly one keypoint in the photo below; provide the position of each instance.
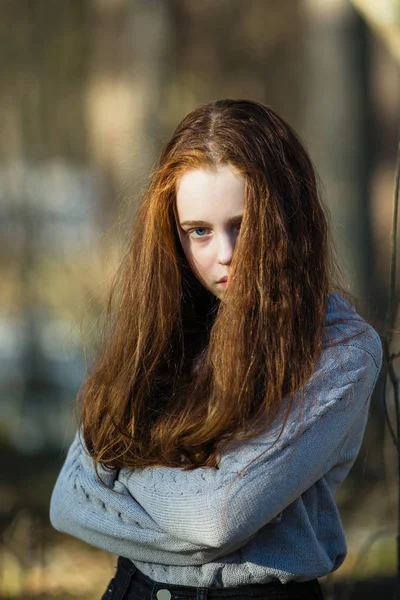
(111, 519)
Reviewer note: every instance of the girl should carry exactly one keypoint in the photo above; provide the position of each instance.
(230, 396)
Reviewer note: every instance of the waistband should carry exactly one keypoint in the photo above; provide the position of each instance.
(129, 578)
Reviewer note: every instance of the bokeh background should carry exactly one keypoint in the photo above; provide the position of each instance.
(90, 92)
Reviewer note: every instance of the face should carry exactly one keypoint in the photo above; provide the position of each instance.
(209, 207)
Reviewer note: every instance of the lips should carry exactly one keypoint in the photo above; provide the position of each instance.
(223, 279)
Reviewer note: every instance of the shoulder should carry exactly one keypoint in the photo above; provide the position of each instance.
(349, 333)
(348, 366)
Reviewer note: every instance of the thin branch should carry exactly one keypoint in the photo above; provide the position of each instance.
(387, 338)
(387, 417)
(391, 312)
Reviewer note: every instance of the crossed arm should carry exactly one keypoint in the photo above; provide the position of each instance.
(170, 516)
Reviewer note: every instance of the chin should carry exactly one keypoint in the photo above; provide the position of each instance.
(219, 294)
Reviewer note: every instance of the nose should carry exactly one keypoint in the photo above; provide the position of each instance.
(226, 247)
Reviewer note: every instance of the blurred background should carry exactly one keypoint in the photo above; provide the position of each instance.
(90, 92)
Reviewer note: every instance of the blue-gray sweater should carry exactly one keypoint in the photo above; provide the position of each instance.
(277, 520)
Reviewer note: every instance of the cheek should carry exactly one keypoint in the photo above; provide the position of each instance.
(186, 247)
(198, 256)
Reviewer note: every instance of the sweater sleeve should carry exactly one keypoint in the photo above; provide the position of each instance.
(212, 508)
(107, 516)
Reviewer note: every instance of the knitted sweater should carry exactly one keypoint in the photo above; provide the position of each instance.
(276, 520)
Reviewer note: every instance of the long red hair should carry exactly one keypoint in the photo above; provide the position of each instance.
(143, 402)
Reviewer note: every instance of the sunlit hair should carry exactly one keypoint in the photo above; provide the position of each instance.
(179, 373)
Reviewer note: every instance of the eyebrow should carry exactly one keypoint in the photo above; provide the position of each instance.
(231, 221)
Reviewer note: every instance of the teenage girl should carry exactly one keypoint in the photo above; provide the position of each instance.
(230, 396)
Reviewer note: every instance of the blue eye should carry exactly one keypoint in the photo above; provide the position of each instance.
(199, 229)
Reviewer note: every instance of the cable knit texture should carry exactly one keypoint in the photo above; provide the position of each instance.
(276, 520)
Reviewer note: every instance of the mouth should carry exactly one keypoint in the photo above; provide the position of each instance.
(223, 280)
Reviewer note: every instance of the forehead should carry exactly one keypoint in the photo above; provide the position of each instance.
(206, 190)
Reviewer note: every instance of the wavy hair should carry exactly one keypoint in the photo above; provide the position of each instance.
(180, 374)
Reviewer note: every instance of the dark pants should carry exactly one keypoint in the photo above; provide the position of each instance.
(131, 584)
